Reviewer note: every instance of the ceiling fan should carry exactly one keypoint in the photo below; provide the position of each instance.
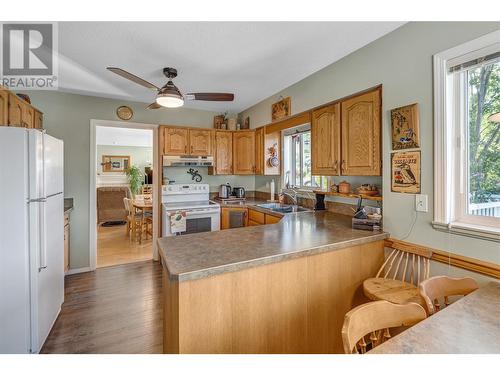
(169, 95)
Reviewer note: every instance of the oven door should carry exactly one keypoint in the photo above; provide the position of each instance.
(197, 221)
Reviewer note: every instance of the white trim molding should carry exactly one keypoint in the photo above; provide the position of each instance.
(74, 271)
(93, 183)
(449, 140)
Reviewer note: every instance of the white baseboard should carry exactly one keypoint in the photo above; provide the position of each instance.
(78, 270)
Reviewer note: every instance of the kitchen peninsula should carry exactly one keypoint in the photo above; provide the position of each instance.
(279, 288)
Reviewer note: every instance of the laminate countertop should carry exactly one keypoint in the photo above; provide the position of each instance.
(470, 325)
(200, 255)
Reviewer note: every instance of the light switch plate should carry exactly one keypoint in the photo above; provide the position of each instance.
(421, 203)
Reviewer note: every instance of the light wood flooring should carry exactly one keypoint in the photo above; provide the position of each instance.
(111, 310)
(115, 247)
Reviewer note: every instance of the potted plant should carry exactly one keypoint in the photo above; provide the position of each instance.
(135, 178)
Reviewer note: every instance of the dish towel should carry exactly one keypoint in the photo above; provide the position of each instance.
(178, 221)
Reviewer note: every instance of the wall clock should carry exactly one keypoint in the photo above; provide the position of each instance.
(124, 112)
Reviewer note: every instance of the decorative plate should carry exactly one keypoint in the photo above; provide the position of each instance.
(124, 112)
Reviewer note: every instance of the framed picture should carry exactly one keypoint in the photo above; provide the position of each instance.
(281, 109)
(246, 123)
(405, 127)
(115, 163)
(218, 121)
(405, 172)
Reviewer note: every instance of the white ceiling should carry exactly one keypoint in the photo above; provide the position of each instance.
(115, 136)
(251, 59)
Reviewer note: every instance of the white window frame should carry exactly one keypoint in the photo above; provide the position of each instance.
(305, 189)
(450, 145)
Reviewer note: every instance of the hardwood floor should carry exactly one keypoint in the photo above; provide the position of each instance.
(111, 310)
(115, 247)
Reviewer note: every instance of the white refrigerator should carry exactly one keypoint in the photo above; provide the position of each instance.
(31, 237)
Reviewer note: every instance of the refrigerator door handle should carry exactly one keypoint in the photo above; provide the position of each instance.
(43, 239)
(44, 192)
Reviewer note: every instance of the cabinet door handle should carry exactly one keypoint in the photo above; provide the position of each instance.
(192, 148)
(342, 166)
(185, 149)
(336, 165)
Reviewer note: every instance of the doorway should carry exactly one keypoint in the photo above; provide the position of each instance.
(124, 178)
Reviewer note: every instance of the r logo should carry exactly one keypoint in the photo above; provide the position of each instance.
(27, 49)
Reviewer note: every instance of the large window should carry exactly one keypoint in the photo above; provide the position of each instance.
(467, 138)
(297, 161)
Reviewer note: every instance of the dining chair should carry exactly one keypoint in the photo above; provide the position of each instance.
(147, 189)
(398, 278)
(367, 326)
(134, 221)
(439, 288)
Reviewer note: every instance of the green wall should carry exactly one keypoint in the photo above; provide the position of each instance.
(67, 116)
(402, 62)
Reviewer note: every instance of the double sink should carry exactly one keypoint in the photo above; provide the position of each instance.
(283, 208)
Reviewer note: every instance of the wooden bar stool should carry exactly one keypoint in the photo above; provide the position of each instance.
(398, 279)
(367, 326)
(442, 287)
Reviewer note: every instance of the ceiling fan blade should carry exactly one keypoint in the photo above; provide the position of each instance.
(133, 78)
(211, 96)
(153, 105)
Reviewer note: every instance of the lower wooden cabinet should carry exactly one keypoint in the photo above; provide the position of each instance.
(271, 219)
(260, 218)
(233, 217)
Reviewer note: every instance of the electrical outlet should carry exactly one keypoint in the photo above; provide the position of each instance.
(421, 202)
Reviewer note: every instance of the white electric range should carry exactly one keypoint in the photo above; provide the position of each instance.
(202, 214)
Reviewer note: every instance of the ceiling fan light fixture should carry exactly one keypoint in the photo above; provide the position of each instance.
(169, 96)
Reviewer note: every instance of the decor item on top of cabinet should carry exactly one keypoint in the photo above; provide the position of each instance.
(405, 127)
(405, 172)
(115, 163)
(281, 109)
(231, 124)
(219, 121)
(368, 189)
(246, 123)
(24, 97)
(273, 160)
(124, 113)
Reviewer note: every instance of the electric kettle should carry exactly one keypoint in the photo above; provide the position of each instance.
(224, 191)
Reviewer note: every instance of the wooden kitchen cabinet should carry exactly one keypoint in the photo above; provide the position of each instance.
(28, 117)
(223, 152)
(271, 219)
(233, 217)
(260, 218)
(259, 151)
(38, 123)
(200, 142)
(16, 110)
(176, 141)
(4, 106)
(361, 135)
(244, 152)
(325, 140)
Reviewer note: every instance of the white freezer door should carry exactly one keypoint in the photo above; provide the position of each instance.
(46, 176)
(47, 254)
(54, 168)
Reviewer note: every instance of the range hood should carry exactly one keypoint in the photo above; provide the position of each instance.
(188, 161)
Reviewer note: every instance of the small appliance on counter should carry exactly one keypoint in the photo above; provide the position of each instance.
(367, 218)
(224, 191)
(239, 192)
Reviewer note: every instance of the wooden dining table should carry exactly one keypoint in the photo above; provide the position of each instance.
(469, 325)
(143, 205)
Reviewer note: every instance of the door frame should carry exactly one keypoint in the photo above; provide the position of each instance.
(93, 182)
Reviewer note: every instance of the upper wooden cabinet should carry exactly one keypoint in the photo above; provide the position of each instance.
(16, 111)
(200, 142)
(325, 140)
(223, 152)
(38, 120)
(361, 128)
(259, 151)
(244, 152)
(183, 141)
(176, 141)
(4, 107)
